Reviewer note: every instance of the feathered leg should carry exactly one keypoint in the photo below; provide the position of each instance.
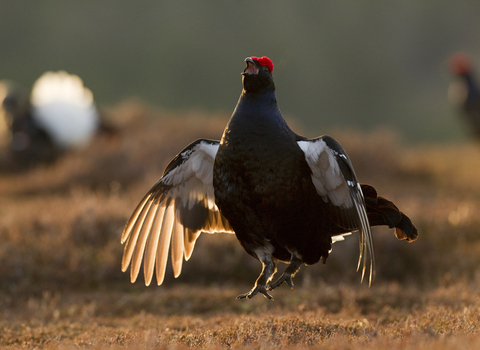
(289, 273)
(268, 270)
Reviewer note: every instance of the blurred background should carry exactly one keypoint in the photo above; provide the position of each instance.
(373, 75)
(336, 64)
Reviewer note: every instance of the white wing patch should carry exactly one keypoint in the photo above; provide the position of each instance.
(341, 237)
(326, 174)
(173, 214)
(345, 195)
(193, 181)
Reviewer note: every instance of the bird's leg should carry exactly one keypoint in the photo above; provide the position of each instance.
(268, 270)
(289, 273)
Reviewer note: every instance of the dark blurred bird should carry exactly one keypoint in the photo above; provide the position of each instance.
(464, 90)
(287, 198)
(59, 114)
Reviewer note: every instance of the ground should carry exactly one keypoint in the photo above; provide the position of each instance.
(61, 284)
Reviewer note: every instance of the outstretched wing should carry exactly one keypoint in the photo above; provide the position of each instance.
(173, 213)
(337, 184)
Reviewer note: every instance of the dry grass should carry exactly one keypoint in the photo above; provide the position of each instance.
(61, 285)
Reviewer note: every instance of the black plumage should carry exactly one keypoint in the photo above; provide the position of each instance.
(286, 197)
(29, 142)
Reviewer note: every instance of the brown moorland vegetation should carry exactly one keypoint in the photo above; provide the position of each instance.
(61, 284)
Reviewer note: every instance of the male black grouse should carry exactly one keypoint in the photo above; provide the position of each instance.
(59, 114)
(465, 91)
(286, 197)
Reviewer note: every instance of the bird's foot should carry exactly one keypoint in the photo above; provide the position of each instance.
(286, 277)
(255, 290)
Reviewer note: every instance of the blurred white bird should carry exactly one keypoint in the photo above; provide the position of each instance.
(64, 108)
(59, 115)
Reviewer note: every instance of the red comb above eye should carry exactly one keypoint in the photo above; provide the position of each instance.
(459, 63)
(264, 61)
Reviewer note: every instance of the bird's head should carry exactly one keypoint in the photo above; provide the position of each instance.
(257, 75)
(459, 64)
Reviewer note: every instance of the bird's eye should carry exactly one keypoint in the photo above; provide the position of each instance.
(265, 68)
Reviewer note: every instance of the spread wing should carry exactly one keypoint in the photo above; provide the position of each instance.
(173, 214)
(337, 184)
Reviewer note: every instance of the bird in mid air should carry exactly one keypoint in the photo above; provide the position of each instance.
(287, 198)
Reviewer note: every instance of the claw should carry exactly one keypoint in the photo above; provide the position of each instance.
(255, 291)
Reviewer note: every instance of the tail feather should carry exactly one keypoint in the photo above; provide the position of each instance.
(381, 211)
(405, 229)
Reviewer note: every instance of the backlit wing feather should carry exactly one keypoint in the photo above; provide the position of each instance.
(173, 213)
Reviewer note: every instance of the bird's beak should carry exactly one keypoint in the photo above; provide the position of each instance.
(251, 67)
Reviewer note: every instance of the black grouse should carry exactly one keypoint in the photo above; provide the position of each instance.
(59, 114)
(286, 197)
(465, 91)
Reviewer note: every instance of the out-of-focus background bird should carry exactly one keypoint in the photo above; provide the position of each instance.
(464, 91)
(27, 141)
(58, 115)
